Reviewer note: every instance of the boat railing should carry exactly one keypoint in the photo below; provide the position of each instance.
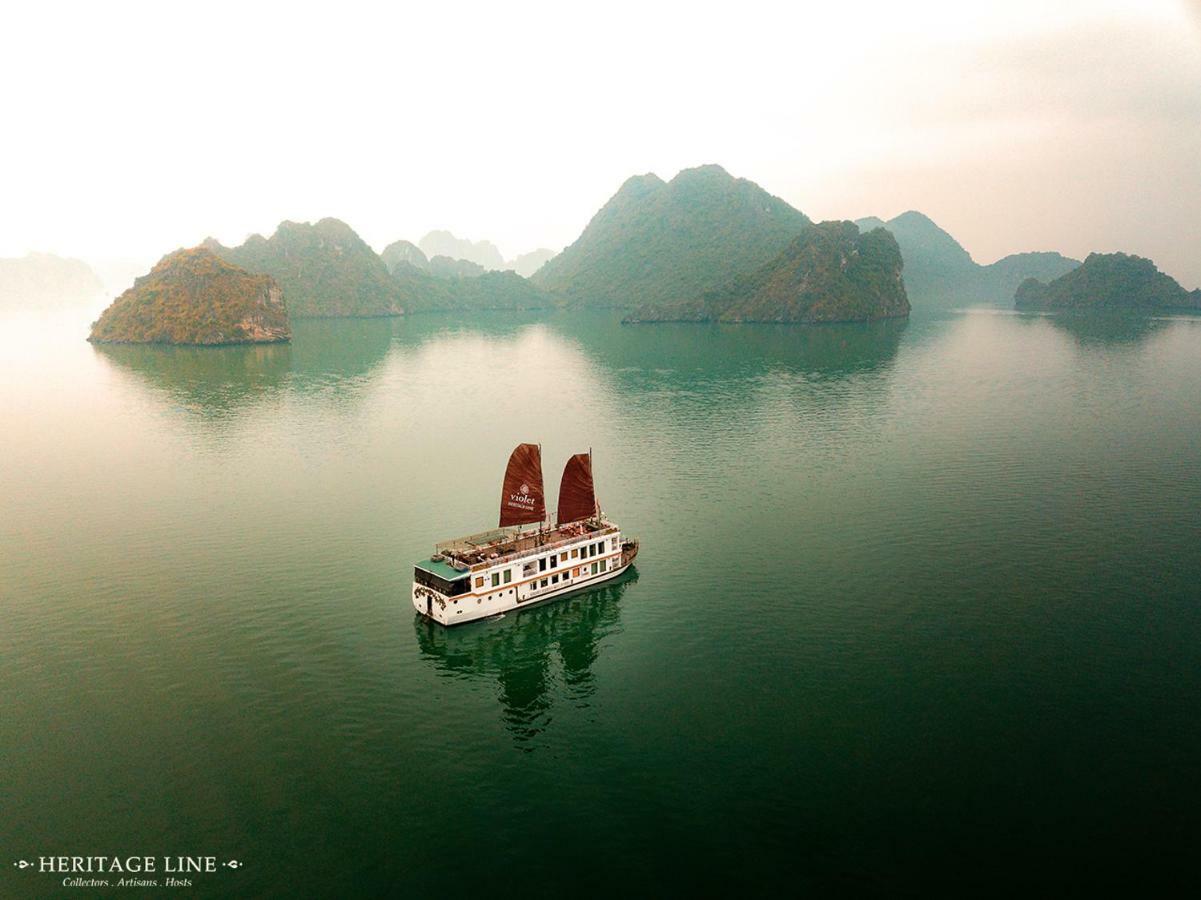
(605, 529)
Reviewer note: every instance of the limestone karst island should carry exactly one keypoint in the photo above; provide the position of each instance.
(194, 297)
(705, 246)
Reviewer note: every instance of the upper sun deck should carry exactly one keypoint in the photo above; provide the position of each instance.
(491, 548)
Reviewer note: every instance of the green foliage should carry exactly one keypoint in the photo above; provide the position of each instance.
(195, 297)
(446, 267)
(488, 291)
(828, 273)
(657, 243)
(1108, 281)
(325, 269)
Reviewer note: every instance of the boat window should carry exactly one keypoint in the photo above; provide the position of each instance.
(594, 568)
(508, 575)
(496, 579)
(604, 564)
(575, 552)
(563, 556)
(554, 579)
(479, 582)
(554, 560)
(441, 585)
(542, 564)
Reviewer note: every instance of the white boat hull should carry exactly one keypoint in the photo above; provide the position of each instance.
(473, 607)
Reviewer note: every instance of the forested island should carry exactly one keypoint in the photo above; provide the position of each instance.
(828, 273)
(703, 247)
(1108, 282)
(194, 297)
(324, 268)
(656, 243)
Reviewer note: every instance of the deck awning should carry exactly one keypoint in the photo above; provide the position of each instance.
(443, 570)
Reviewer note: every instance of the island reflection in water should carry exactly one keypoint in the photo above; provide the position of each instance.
(518, 649)
(212, 382)
(1114, 330)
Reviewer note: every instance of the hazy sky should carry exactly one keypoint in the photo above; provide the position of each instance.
(133, 128)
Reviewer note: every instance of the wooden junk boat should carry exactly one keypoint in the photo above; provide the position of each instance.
(515, 566)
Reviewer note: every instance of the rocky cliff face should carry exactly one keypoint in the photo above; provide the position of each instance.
(195, 297)
(1108, 281)
(829, 273)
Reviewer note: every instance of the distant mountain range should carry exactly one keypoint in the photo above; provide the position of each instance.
(526, 264)
(39, 280)
(705, 246)
(195, 297)
(1108, 281)
(404, 252)
(443, 243)
(670, 245)
(940, 272)
(656, 243)
(480, 253)
(828, 273)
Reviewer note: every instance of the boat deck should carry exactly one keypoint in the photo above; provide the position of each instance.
(492, 547)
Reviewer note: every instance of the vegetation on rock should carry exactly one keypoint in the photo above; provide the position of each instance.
(445, 267)
(829, 273)
(324, 269)
(1108, 281)
(195, 297)
(424, 292)
(656, 243)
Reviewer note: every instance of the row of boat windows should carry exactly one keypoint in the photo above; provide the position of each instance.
(597, 568)
(533, 567)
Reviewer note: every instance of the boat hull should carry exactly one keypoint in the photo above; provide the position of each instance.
(460, 611)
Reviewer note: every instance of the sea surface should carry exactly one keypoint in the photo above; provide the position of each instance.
(918, 607)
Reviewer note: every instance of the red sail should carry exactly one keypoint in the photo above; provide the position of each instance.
(577, 496)
(521, 499)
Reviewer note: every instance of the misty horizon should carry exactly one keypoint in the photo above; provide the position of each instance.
(1014, 129)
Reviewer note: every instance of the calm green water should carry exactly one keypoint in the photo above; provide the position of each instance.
(918, 604)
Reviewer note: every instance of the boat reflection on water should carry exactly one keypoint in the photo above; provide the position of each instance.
(519, 650)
